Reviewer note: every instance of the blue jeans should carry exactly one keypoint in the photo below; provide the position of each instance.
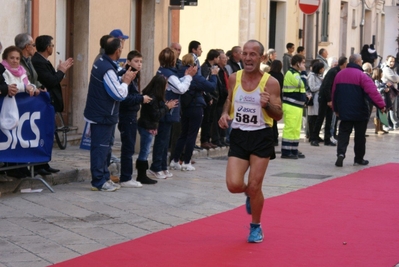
(160, 148)
(145, 144)
(100, 152)
(191, 120)
(128, 130)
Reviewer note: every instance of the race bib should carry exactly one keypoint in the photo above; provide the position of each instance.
(247, 114)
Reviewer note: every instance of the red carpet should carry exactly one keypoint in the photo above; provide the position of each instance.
(349, 221)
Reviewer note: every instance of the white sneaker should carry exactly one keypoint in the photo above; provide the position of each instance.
(168, 174)
(333, 140)
(118, 186)
(187, 167)
(174, 165)
(131, 184)
(158, 175)
(108, 186)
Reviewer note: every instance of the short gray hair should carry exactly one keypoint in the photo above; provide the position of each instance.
(261, 47)
(22, 40)
(271, 51)
(354, 57)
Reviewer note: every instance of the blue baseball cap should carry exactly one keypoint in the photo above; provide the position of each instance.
(117, 33)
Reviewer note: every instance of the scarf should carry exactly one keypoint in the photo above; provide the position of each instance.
(17, 72)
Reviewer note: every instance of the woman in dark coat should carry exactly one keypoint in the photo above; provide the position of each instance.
(275, 71)
(193, 104)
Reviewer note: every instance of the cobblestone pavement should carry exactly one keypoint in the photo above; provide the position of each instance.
(39, 229)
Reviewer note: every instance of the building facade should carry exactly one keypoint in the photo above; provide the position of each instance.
(340, 26)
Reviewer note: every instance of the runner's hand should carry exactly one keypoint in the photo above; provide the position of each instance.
(224, 121)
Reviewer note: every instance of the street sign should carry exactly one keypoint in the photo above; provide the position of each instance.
(186, 2)
(309, 6)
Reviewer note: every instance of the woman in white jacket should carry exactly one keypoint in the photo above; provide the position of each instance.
(15, 73)
(315, 78)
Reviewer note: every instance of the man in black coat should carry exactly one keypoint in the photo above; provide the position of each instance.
(47, 75)
(234, 63)
(50, 78)
(325, 104)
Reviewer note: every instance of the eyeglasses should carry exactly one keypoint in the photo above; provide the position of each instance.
(33, 45)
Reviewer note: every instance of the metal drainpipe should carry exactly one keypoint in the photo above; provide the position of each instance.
(317, 34)
(361, 26)
(28, 16)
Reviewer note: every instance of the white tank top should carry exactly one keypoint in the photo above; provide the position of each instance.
(246, 110)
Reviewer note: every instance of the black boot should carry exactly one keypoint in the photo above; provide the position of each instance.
(142, 167)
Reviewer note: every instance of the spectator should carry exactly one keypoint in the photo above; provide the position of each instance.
(49, 77)
(372, 54)
(103, 42)
(176, 87)
(102, 111)
(300, 50)
(6, 89)
(234, 63)
(365, 53)
(271, 55)
(223, 86)
(195, 48)
(25, 42)
(15, 74)
(294, 96)
(275, 71)
(128, 125)
(322, 56)
(383, 89)
(288, 56)
(263, 64)
(117, 33)
(349, 103)
(152, 111)
(211, 99)
(176, 126)
(325, 104)
(315, 80)
(177, 48)
(390, 77)
(368, 70)
(192, 113)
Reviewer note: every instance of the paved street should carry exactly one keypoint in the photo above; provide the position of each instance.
(39, 229)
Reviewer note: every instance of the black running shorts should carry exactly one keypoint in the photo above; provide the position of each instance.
(245, 143)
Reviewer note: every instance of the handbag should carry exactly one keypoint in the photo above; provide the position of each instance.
(309, 101)
(9, 114)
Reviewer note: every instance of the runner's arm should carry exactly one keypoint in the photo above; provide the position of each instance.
(270, 99)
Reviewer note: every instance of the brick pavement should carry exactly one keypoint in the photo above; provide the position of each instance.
(39, 229)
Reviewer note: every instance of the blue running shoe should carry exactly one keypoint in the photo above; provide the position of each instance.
(255, 233)
(248, 205)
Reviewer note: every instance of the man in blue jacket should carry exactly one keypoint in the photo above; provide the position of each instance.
(351, 105)
(102, 110)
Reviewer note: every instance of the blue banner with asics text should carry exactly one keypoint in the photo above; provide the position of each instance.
(32, 140)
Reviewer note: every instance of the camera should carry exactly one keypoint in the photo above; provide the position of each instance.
(127, 66)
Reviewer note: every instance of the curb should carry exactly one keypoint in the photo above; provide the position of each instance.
(70, 173)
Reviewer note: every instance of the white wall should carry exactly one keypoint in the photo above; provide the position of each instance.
(215, 24)
(391, 31)
(11, 27)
